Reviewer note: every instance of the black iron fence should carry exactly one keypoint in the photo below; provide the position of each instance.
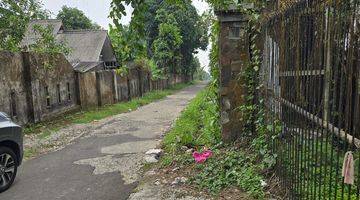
(311, 68)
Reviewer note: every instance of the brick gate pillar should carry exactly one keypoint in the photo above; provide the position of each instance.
(233, 58)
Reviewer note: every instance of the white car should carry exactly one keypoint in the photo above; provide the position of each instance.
(11, 151)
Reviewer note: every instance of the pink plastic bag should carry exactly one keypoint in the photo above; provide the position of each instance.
(202, 157)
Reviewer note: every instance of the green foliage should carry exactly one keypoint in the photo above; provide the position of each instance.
(200, 73)
(162, 24)
(327, 180)
(198, 125)
(214, 52)
(14, 17)
(122, 71)
(74, 19)
(156, 72)
(137, 19)
(131, 37)
(47, 44)
(230, 167)
(194, 32)
(167, 44)
(126, 43)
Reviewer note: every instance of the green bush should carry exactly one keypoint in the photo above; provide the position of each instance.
(199, 127)
(198, 124)
(230, 167)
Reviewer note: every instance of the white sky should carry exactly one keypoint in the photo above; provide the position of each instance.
(98, 12)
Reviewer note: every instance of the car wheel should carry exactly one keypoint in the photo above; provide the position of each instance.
(8, 168)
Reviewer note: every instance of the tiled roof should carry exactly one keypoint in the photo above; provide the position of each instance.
(86, 45)
(31, 36)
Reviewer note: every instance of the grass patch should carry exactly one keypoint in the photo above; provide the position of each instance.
(45, 134)
(30, 152)
(46, 128)
(198, 124)
(198, 127)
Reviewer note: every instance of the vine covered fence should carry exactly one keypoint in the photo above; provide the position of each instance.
(311, 70)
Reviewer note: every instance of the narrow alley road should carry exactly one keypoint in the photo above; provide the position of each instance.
(104, 163)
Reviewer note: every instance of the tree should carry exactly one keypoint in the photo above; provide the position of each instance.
(14, 17)
(166, 47)
(47, 44)
(187, 25)
(74, 19)
(127, 45)
(200, 73)
(194, 32)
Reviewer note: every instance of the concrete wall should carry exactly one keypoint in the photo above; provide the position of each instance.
(175, 79)
(158, 84)
(122, 88)
(105, 81)
(106, 87)
(53, 89)
(88, 96)
(145, 81)
(33, 89)
(12, 83)
(134, 84)
(36, 87)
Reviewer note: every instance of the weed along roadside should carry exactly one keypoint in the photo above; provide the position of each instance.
(219, 148)
(278, 119)
(230, 170)
(38, 136)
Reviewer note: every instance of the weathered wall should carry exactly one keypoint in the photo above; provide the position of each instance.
(158, 84)
(88, 96)
(106, 87)
(30, 92)
(154, 85)
(53, 87)
(134, 82)
(145, 80)
(12, 88)
(122, 88)
(33, 91)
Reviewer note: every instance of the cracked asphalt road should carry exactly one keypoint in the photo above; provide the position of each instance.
(104, 163)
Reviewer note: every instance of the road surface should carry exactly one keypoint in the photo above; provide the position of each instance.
(104, 163)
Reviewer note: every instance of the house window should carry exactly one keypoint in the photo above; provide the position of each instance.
(58, 93)
(47, 96)
(13, 104)
(68, 91)
(234, 32)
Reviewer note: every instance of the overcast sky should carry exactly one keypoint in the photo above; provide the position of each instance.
(98, 12)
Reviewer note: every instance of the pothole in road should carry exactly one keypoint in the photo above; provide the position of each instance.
(127, 165)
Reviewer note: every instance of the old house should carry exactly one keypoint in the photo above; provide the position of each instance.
(36, 87)
(91, 56)
(91, 50)
(32, 91)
